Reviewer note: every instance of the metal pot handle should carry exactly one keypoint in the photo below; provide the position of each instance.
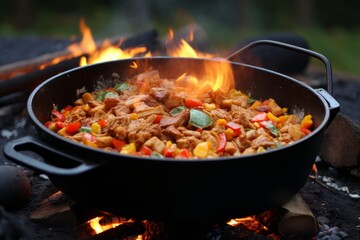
(294, 48)
(74, 166)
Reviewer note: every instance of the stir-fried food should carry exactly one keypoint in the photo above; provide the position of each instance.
(151, 116)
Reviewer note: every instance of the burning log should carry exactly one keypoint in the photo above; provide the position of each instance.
(24, 83)
(21, 67)
(123, 230)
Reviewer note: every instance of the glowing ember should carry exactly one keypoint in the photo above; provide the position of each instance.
(96, 225)
(251, 223)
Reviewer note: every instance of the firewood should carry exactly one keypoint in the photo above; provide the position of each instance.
(54, 210)
(298, 220)
(344, 133)
(34, 75)
(293, 219)
(122, 231)
(11, 70)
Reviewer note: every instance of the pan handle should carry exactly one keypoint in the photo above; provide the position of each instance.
(334, 105)
(15, 150)
(290, 47)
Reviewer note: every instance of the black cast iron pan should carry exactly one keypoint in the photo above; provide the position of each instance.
(177, 190)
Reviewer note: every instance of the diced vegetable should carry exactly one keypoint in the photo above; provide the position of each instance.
(184, 153)
(193, 102)
(73, 127)
(272, 117)
(60, 125)
(145, 150)
(58, 115)
(235, 127)
(102, 123)
(157, 118)
(222, 142)
(306, 122)
(128, 148)
(259, 117)
(306, 131)
(118, 144)
(199, 119)
(221, 122)
(101, 96)
(85, 129)
(209, 106)
(121, 87)
(202, 150)
(229, 134)
(177, 110)
(134, 116)
(110, 95)
(156, 155)
(95, 128)
(169, 151)
(274, 131)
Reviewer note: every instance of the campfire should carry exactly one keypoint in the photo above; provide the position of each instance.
(293, 219)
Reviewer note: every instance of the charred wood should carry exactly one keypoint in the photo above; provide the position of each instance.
(34, 76)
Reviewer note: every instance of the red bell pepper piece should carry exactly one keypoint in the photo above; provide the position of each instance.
(259, 117)
(222, 142)
(73, 128)
(47, 124)
(58, 115)
(305, 130)
(235, 127)
(157, 118)
(184, 153)
(60, 125)
(145, 151)
(67, 108)
(192, 102)
(169, 152)
(118, 144)
(265, 123)
(102, 123)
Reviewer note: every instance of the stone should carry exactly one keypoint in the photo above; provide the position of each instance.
(15, 187)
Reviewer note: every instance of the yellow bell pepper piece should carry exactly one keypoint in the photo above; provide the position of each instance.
(202, 150)
(96, 128)
(256, 104)
(306, 122)
(272, 117)
(128, 148)
(229, 134)
(133, 116)
(221, 122)
(209, 106)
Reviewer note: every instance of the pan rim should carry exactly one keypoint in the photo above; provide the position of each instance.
(253, 156)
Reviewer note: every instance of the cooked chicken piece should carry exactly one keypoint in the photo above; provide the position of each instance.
(155, 144)
(160, 94)
(295, 132)
(274, 107)
(178, 120)
(104, 141)
(230, 148)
